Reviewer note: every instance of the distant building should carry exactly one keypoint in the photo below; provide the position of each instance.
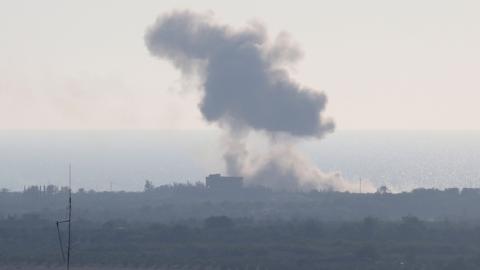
(217, 181)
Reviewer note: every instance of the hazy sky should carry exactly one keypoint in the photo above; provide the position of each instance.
(409, 64)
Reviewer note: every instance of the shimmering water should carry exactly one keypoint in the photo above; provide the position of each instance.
(102, 160)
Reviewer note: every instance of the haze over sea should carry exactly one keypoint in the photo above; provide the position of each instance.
(123, 160)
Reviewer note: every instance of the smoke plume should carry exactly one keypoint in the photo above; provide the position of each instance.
(246, 87)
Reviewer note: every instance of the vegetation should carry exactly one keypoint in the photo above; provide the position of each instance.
(193, 227)
(224, 243)
(170, 203)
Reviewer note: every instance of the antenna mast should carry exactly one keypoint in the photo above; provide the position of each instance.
(68, 220)
(69, 213)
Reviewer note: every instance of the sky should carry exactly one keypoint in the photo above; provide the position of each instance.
(383, 64)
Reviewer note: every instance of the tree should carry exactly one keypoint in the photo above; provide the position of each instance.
(148, 186)
(411, 226)
(383, 190)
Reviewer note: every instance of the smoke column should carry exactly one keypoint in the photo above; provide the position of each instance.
(246, 87)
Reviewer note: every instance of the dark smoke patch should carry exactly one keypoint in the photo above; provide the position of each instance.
(246, 87)
(245, 83)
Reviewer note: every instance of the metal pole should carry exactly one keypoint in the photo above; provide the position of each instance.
(69, 213)
(60, 241)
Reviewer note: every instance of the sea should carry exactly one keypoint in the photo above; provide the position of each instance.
(116, 160)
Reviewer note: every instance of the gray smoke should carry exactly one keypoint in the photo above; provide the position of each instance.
(246, 87)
